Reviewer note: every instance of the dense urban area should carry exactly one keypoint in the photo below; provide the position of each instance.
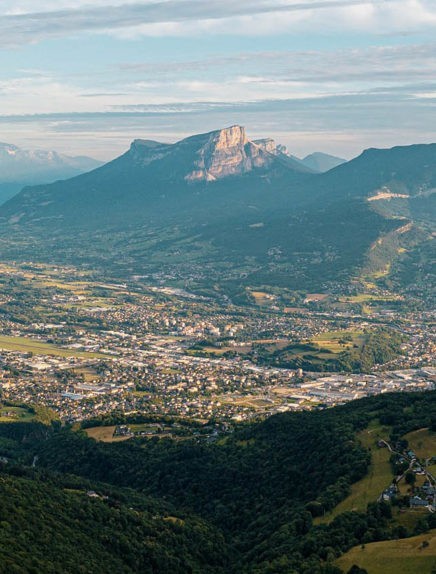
(86, 346)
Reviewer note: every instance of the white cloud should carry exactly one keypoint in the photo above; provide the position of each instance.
(19, 24)
(405, 71)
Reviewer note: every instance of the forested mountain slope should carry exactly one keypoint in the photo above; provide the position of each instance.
(260, 486)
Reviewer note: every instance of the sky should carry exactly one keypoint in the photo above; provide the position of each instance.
(86, 77)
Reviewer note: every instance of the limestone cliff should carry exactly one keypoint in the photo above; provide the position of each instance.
(227, 152)
(210, 156)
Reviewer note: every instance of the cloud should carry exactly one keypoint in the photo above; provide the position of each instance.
(339, 124)
(308, 99)
(18, 25)
(258, 76)
(375, 65)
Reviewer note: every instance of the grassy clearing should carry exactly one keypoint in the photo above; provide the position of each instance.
(87, 373)
(262, 298)
(336, 341)
(383, 272)
(409, 518)
(249, 401)
(104, 434)
(405, 556)
(423, 442)
(366, 297)
(76, 288)
(26, 345)
(14, 414)
(378, 478)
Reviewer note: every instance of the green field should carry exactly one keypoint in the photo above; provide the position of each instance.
(330, 341)
(423, 442)
(378, 478)
(368, 297)
(321, 352)
(14, 414)
(26, 345)
(104, 434)
(406, 556)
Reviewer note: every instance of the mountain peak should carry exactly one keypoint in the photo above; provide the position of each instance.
(39, 166)
(226, 152)
(230, 137)
(322, 162)
(210, 156)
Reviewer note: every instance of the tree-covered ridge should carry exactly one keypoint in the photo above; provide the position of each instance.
(260, 486)
(376, 347)
(52, 524)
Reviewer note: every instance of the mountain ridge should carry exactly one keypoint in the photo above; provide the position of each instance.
(236, 210)
(20, 167)
(28, 165)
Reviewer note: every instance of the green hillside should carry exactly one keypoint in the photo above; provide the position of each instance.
(50, 524)
(254, 498)
(416, 555)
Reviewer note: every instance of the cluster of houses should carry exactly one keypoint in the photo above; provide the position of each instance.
(422, 495)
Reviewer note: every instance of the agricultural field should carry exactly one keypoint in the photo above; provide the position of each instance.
(338, 341)
(26, 345)
(248, 401)
(416, 555)
(379, 476)
(104, 434)
(368, 298)
(15, 414)
(262, 298)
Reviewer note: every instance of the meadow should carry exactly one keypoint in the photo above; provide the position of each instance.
(416, 555)
(27, 345)
(379, 475)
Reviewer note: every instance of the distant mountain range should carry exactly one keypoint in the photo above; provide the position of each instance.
(321, 162)
(19, 167)
(219, 208)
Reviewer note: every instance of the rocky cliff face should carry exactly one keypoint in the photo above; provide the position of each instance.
(210, 156)
(228, 152)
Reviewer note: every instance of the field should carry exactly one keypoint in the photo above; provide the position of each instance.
(104, 434)
(320, 351)
(367, 297)
(25, 345)
(423, 442)
(249, 401)
(338, 341)
(14, 414)
(406, 556)
(88, 373)
(261, 298)
(378, 478)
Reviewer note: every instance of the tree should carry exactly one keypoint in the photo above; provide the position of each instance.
(410, 478)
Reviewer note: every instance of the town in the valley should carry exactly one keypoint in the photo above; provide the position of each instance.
(86, 346)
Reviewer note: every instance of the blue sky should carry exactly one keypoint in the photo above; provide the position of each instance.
(87, 77)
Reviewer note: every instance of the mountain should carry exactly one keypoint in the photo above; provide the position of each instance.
(8, 190)
(321, 162)
(19, 167)
(154, 176)
(219, 208)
